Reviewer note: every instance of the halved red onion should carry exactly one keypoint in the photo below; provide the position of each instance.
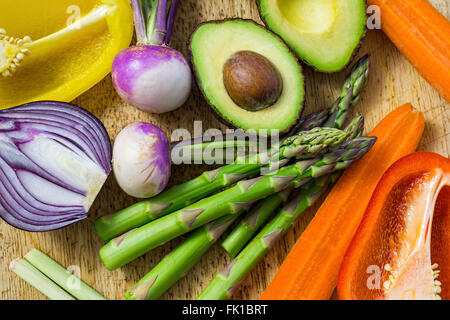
(54, 159)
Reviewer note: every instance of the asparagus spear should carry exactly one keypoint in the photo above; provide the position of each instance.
(137, 242)
(350, 93)
(247, 227)
(312, 120)
(175, 265)
(253, 221)
(208, 149)
(225, 282)
(61, 276)
(307, 143)
(37, 279)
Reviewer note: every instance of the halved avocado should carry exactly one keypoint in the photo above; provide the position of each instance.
(324, 33)
(248, 75)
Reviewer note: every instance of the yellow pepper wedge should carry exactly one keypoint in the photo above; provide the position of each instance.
(58, 49)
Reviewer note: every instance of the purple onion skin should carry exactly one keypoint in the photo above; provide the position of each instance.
(141, 160)
(21, 125)
(155, 79)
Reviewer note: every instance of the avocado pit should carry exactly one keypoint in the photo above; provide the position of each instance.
(252, 81)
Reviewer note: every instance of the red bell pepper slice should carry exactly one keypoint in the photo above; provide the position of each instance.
(402, 247)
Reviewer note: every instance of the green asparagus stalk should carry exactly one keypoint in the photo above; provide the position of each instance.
(307, 143)
(310, 121)
(247, 227)
(62, 277)
(225, 282)
(254, 220)
(137, 242)
(37, 279)
(350, 93)
(210, 149)
(175, 265)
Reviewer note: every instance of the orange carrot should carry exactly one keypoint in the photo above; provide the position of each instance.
(422, 35)
(311, 268)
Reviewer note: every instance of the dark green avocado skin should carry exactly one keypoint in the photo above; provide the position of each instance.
(354, 54)
(197, 77)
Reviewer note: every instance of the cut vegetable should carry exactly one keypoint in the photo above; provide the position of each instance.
(395, 251)
(37, 279)
(62, 55)
(248, 75)
(54, 159)
(319, 251)
(324, 33)
(421, 34)
(61, 276)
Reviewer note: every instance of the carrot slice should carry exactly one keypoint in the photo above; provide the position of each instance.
(422, 35)
(311, 268)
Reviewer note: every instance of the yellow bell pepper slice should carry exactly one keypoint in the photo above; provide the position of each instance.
(58, 49)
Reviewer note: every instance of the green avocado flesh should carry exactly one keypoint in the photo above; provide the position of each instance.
(323, 33)
(213, 43)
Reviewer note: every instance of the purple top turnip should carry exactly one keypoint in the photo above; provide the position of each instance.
(152, 76)
(141, 160)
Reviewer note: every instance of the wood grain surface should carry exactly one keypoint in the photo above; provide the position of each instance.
(393, 81)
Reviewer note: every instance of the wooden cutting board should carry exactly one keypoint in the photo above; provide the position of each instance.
(392, 82)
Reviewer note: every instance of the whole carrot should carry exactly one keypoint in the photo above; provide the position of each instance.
(311, 268)
(422, 35)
